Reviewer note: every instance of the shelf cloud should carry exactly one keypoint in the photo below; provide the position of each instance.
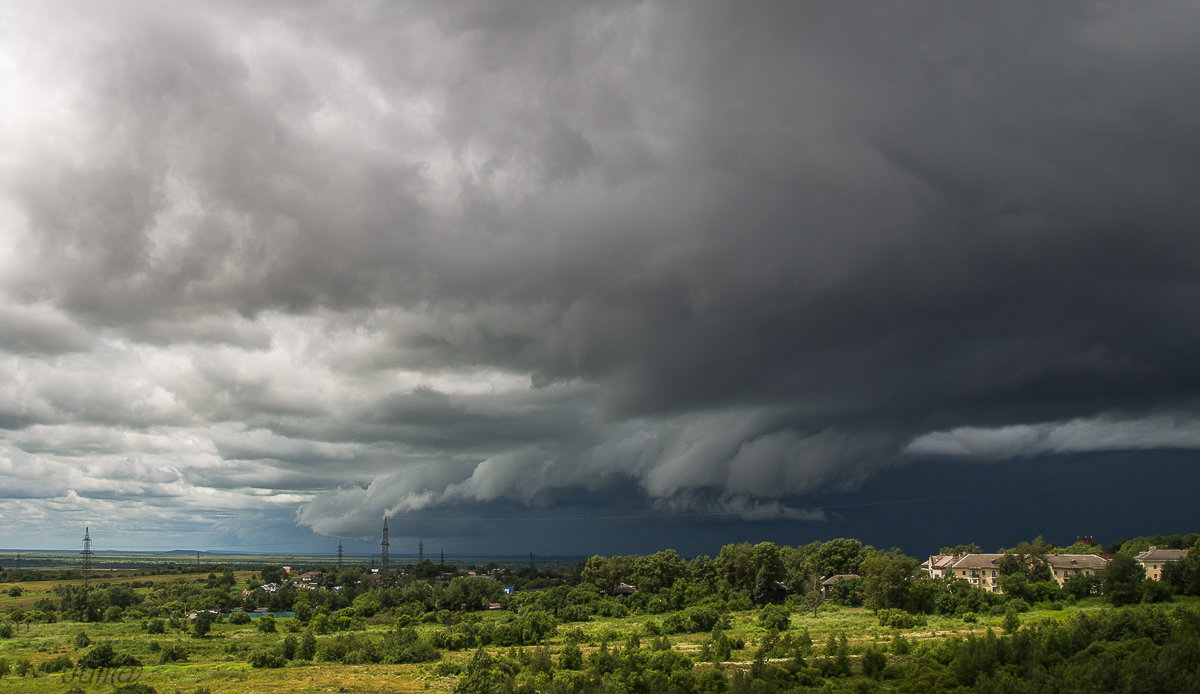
(312, 263)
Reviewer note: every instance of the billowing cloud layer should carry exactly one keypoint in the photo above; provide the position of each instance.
(323, 262)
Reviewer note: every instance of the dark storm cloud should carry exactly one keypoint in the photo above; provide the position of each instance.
(428, 256)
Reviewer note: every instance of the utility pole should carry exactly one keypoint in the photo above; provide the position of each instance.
(339, 555)
(383, 546)
(197, 559)
(87, 556)
(531, 566)
(420, 551)
(442, 561)
(18, 561)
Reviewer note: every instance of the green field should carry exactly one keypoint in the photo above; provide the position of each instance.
(218, 661)
(707, 625)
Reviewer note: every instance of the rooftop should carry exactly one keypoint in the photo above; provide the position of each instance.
(1076, 561)
(977, 561)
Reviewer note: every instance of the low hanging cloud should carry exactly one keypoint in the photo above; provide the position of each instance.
(405, 258)
(1161, 432)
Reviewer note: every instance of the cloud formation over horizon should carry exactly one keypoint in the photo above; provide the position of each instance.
(321, 262)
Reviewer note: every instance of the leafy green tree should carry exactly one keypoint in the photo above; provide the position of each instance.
(702, 570)
(1010, 564)
(82, 640)
(887, 579)
(838, 556)
(1156, 591)
(271, 574)
(720, 645)
(873, 663)
(101, 656)
(1039, 570)
(570, 657)
(735, 566)
(659, 571)
(1082, 585)
(484, 676)
(1122, 582)
(308, 646)
(202, 624)
(774, 618)
(969, 548)
(1012, 621)
(266, 624)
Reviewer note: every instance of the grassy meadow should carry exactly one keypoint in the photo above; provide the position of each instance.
(218, 662)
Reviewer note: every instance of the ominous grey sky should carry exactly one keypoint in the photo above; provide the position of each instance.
(272, 270)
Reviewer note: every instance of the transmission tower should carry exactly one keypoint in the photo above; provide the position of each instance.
(420, 551)
(18, 561)
(339, 554)
(442, 561)
(87, 556)
(383, 546)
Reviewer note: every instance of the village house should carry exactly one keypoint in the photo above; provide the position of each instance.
(980, 570)
(1064, 566)
(938, 564)
(827, 584)
(1154, 560)
(310, 580)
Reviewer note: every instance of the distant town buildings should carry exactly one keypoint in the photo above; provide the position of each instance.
(1154, 560)
(1064, 566)
(983, 570)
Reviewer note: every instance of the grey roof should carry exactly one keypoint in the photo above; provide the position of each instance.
(1076, 561)
(977, 561)
(1156, 554)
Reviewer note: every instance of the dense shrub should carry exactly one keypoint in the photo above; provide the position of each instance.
(308, 646)
(774, 618)
(693, 619)
(1155, 591)
(99, 657)
(265, 658)
(135, 688)
(873, 663)
(899, 619)
(173, 653)
(574, 613)
(57, 664)
(406, 646)
(239, 617)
